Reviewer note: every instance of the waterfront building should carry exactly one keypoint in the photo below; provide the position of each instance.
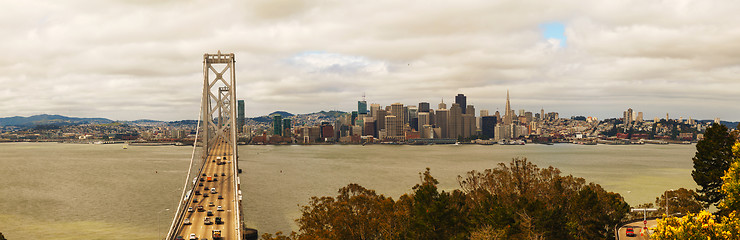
(412, 116)
(488, 126)
(454, 121)
(277, 125)
(393, 126)
(427, 131)
(369, 129)
(423, 107)
(240, 115)
(441, 117)
(362, 107)
(461, 101)
(468, 125)
(380, 121)
(287, 126)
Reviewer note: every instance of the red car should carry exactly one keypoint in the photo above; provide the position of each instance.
(630, 232)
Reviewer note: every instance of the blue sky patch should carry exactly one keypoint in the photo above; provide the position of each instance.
(554, 30)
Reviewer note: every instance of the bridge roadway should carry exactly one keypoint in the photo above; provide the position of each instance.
(224, 186)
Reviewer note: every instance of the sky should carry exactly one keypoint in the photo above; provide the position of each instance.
(141, 59)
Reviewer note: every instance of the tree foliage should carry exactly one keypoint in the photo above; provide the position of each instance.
(731, 183)
(713, 157)
(697, 226)
(515, 201)
(681, 201)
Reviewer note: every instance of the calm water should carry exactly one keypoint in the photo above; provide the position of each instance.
(72, 191)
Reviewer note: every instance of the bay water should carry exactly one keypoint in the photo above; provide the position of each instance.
(72, 191)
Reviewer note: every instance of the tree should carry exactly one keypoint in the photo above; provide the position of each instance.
(713, 157)
(679, 201)
(731, 183)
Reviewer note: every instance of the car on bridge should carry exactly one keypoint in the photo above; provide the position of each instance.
(197, 192)
(186, 222)
(219, 208)
(220, 197)
(223, 174)
(219, 221)
(210, 204)
(190, 209)
(207, 221)
(213, 190)
(201, 209)
(209, 213)
(179, 238)
(193, 237)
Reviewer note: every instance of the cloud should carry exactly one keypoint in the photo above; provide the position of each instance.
(142, 59)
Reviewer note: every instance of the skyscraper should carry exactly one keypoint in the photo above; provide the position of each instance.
(507, 116)
(398, 111)
(286, 127)
(461, 100)
(488, 126)
(442, 105)
(277, 125)
(240, 116)
(393, 126)
(374, 109)
(441, 116)
(423, 107)
(362, 107)
(380, 124)
(455, 121)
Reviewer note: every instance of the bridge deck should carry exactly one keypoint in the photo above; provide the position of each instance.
(224, 186)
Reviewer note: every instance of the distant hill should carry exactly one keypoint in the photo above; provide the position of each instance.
(46, 119)
(322, 115)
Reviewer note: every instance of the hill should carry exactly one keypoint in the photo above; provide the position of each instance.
(46, 119)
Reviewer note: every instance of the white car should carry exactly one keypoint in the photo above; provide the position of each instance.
(193, 237)
(190, 209)
(186, 222)
(219, 208)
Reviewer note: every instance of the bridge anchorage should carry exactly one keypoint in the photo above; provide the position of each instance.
(211, 202)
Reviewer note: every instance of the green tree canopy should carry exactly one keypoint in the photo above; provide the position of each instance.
(713, 157)
(679, 201)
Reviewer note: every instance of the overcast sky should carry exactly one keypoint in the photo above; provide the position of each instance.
(136, 59)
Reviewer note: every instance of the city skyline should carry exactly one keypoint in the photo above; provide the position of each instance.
(129, 60)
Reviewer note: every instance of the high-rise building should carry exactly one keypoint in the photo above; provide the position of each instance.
(380, 124)
(423, 119)
(628, 116)
(423, 107)
(369, 129)
(398, 111)
(468, 125)
(411, 113)
(461, 100)
(240, 116)
(639, 117)
(442, 105)
(277, 125)
(542, 114)
(528, 116)
(508, 118)
(287, 126)
(393, 126)
(374, 109)
(440, 120)
(488, 126)
(353, 118)
(470, 109)
(483, 113)
(362, 107)
(455, 121)
(521, 112)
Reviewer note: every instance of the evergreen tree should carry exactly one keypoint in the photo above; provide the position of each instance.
(713, 157)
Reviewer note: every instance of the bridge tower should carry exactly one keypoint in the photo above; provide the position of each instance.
(217, 131)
